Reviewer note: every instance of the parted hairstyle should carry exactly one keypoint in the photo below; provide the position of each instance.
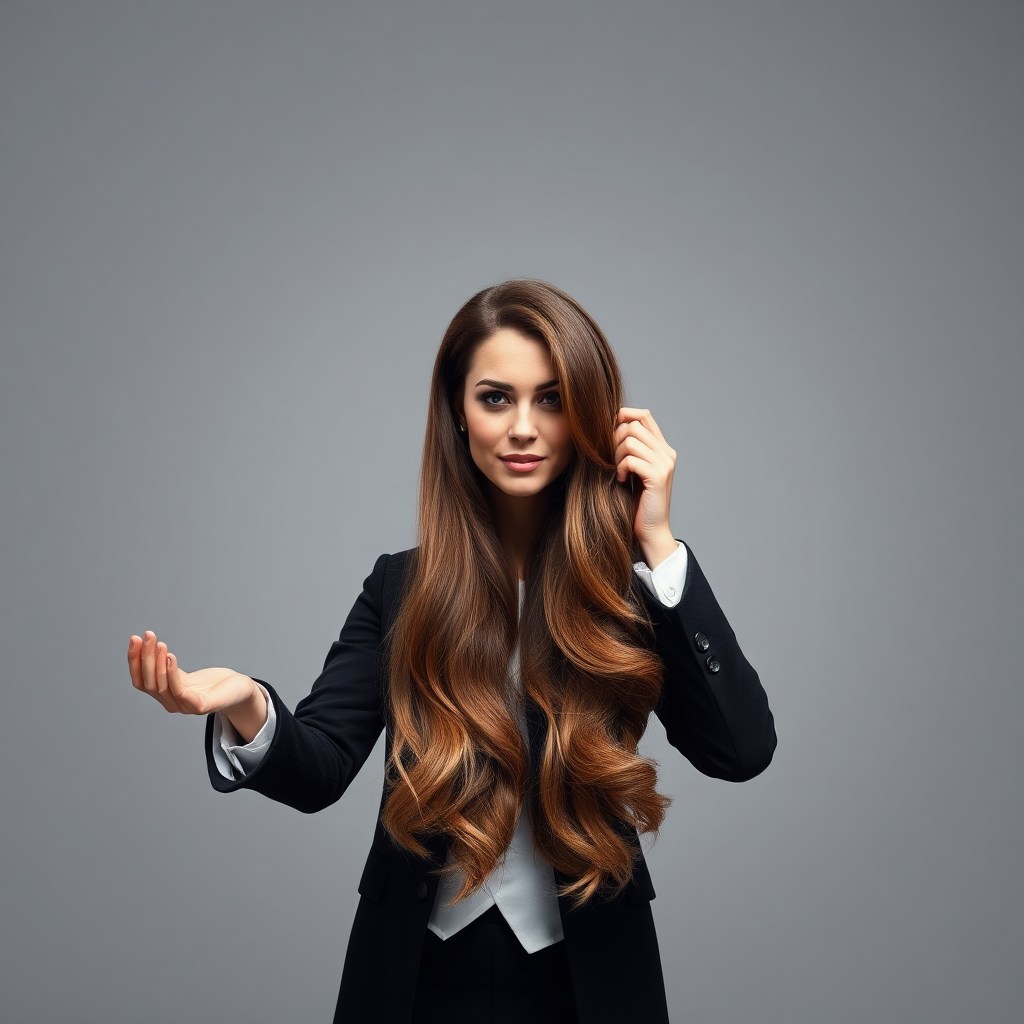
(459, 764)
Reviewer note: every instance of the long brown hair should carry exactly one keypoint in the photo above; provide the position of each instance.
(458, 762)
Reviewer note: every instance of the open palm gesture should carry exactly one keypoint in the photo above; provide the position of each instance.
(155, 671)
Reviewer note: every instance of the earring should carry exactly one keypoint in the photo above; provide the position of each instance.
(462, 428)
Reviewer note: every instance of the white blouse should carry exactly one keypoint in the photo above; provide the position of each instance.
(522, 885)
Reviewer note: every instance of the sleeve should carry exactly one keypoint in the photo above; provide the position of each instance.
(668, 579)
(712, 704)
(233, 757)
(316, 752)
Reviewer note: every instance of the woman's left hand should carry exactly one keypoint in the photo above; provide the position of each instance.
(641, 449)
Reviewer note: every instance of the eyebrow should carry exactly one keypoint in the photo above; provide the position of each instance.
(502, 386)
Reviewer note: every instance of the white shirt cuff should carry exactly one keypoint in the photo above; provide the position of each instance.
(667, 580)
(233, 757)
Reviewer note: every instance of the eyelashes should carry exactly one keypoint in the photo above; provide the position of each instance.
(496, 399)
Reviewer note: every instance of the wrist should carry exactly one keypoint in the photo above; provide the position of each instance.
(658, 547)
(249, 715)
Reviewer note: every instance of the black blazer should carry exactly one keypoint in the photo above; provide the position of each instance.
(714, 711)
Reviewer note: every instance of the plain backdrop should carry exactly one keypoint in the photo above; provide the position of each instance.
(231, 236)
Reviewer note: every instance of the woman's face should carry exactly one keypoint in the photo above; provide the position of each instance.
(511, 408)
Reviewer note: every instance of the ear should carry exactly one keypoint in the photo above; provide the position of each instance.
(459, 402)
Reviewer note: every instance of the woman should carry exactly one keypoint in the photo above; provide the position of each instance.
(513, 658)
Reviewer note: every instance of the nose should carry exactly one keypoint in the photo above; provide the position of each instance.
(523, 427)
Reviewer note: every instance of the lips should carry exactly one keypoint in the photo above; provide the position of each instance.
(522, 463)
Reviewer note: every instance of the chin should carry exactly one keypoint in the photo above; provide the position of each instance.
(526, 488)
(526, 491)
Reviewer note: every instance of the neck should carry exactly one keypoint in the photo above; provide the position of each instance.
(517, 521)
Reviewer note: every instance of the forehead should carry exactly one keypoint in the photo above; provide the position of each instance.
(511, 357)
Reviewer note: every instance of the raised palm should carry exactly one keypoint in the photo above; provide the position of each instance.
(155, 671)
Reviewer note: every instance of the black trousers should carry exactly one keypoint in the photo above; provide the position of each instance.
(482, 975)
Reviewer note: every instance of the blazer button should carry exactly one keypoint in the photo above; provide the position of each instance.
(713, 664)
(702, 642)
(421, 891)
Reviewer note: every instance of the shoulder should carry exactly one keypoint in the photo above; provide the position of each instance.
(392, 565)
(392, 568)
(387, 582)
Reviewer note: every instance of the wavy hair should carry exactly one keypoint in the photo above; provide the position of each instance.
(458, 763)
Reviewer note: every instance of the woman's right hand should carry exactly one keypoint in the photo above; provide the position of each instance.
(155, 671)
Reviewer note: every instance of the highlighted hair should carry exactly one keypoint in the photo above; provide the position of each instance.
(458, 762)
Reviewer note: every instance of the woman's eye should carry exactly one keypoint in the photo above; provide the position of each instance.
(551, 398)
(492, 398)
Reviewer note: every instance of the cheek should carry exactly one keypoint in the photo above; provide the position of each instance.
(481, 430)
(484, 436)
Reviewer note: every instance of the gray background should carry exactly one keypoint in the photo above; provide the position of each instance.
(232, 236)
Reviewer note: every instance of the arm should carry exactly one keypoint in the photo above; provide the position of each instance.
(317, 751)
(713, 706)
